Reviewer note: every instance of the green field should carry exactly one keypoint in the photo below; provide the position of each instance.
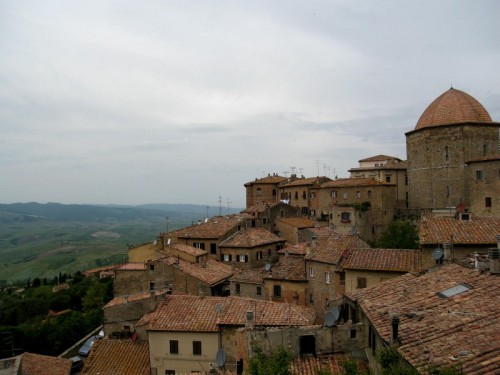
(45, 240)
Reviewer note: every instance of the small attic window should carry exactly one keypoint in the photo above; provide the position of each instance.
(454, 290)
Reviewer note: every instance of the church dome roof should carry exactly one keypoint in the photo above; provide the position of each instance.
(453, 107)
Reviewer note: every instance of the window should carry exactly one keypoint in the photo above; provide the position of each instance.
(447, 191)
(446, 154)
(353, 333)
(313, 195)
(361, 283)
(487, 202)
(346, 195)
(151, 267)
(296, 195)
(341, 278)
(345, 217)
(387, 179)
(406, 179)
(151, 286)
(227, 257)
(196, 347)
(369, 193)
(259, 291)
(238, 289)
(333, 194)
(311, 272)
(169, 372)
(258, 191)
(259, 255)
(358, 194)
(485, 150)
(274, 192)
(277, 291)
(264, 220)
(305, 210)
(479, 175)
(304, 194)
(199, 245)
(243, 258)
(311, 299)
(279, 246)
(174, 347)
(327, 277)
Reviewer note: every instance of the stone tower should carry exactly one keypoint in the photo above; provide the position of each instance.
(453, 130)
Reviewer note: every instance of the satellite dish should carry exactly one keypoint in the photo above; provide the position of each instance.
(437, 253)
(168, 241)
(267, 267)
(220, 357)
(154, 242)
(206, 220)
(332, 316)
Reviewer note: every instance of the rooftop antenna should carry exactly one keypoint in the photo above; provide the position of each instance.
(300, 171)
(206, 217)
(168, 221)
(317, 165)
(285, 173)
(220, 205)
(228, 205)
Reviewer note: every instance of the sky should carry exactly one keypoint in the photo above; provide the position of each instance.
(128, 102)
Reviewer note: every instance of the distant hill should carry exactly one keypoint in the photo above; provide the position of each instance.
(42, 240)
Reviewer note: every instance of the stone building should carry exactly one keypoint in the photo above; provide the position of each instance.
(364, 204)
(454, 130)
(265, 215)
(299, 193)
(251, 248)
(263, 190)
(248, 283)
(388, 169)
(290, 228)
(484, 186)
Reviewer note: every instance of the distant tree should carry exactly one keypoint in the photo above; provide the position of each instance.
(277, 363)
(401, 234)
(36, 282)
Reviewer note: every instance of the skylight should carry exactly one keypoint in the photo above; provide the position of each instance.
(454, 290)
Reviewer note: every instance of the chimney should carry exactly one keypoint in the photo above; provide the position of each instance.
(249, 316)
(447, 251)
(394, 328)
(476, 260)
(494, 260)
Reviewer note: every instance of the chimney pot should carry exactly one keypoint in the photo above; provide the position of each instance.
(394, 328)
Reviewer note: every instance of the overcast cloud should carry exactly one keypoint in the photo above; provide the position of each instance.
(132, 102)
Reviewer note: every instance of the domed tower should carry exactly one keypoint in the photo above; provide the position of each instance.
(454, 130)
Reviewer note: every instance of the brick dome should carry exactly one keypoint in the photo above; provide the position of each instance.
(453, 107)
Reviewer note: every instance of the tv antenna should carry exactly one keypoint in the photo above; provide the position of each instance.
(220, 205)
(168, 221)
(285, 173)
(317, 165)
(228, 205)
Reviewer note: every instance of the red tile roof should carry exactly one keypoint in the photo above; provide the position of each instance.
(132, 298)
(253, 276)
(132, 267)
(290, 268)
(299, 222)
(267, 180)
(124, 357)
(212, 274)
(330, 247)
(353, 182)
(331, 363)
(38, 364)
(191, 250)
(199, 314)
(393, 164)
(214, 228)
(306, 181)
(380, 158)
(477, 231)
(435, 330)
(392, 260)
(251, 237)
(297, 249)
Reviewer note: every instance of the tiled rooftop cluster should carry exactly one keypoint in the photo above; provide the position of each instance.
(397, 260)
(477, 230)
(213, 228)
(38, 364)
(200, 314)
(251, 237)
(289, 268)
(437, 330)
(330, 246)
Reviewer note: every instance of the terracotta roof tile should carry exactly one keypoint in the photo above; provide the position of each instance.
(191, 250)
(433, 329)
(213, 273)
(132, 267)
(259, 207)
(306, 181)
(291, 268)
(124, 357)
(251, 237)
(297, 249)
(330, 247)
(453, 107)
(38, 364)
(477, 231)
(395, 260)
(131, 298)
(214, 228)
(352, 182)
(331, 363)
(253, 276)
(199, 314)
(299, 222)
(267, 180)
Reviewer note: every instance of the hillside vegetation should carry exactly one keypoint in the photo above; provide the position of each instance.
(43, 240)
